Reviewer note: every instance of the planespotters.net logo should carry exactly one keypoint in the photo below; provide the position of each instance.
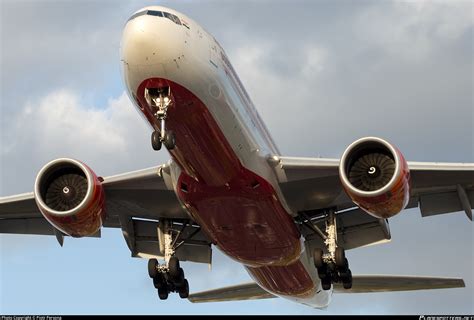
(446, 318)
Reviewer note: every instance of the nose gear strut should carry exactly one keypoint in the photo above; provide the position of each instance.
(332, 266)
(159, 99)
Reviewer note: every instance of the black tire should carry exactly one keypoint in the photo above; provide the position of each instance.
(163, 293)
(347, 280)
(341, 258)
(179, 280)
(323, 273)
(184, 290)
(347, 285)
(318, 258)
(174, 269)
(170, 140)
(152, 268)
(156, 140)
(159, 281)
(326, 283)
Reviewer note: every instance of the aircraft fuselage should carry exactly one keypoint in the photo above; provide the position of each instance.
(223, 175)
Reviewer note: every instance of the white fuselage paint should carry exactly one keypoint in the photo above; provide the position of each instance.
(157, 47)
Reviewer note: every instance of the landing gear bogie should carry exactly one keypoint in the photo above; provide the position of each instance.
(331, 272)
(165, 282)
(332, 266)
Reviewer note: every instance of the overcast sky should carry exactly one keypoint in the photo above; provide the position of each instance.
(321, 73)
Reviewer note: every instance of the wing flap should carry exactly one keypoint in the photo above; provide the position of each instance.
(36, 226)
(19, 206)
(388, 283)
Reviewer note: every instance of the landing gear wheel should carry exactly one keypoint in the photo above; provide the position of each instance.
(173, 266)
(326, 283)
(347, 280)
(158, 281)
(318, 258)
(163, 293)
(341, 261)
(323, 272)
(184, 290)
(152, 268)
(156, 140)
(179, 280)
(170, 140)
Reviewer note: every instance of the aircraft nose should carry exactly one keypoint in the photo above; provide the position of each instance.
(151, 40)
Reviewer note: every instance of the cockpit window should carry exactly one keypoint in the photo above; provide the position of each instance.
(137, 15)
(155, 13)
(172, 17)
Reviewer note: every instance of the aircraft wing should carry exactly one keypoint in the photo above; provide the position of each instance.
(135, 202)
(437, 188)
(388, 283)
(312, 184)
(360, 284)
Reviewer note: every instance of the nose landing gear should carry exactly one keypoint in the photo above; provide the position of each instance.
(159, 99)
(333, 266)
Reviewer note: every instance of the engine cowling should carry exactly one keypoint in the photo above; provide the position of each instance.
(375, 175)
(71, 197)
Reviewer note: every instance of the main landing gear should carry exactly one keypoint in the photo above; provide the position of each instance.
(333, 266)
(159, 100)
(168, 277)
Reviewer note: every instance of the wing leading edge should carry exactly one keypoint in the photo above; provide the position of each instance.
(437, 188)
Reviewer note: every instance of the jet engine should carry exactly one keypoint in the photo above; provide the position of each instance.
(71, 197)
(375, 175)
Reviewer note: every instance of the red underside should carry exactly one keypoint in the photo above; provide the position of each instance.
(237, 209)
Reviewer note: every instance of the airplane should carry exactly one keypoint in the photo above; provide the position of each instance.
(287, 220)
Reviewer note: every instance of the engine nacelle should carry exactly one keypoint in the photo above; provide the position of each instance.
(71, 197)
(376, 177)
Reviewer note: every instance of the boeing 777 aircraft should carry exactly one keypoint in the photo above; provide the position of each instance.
(287, 220)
